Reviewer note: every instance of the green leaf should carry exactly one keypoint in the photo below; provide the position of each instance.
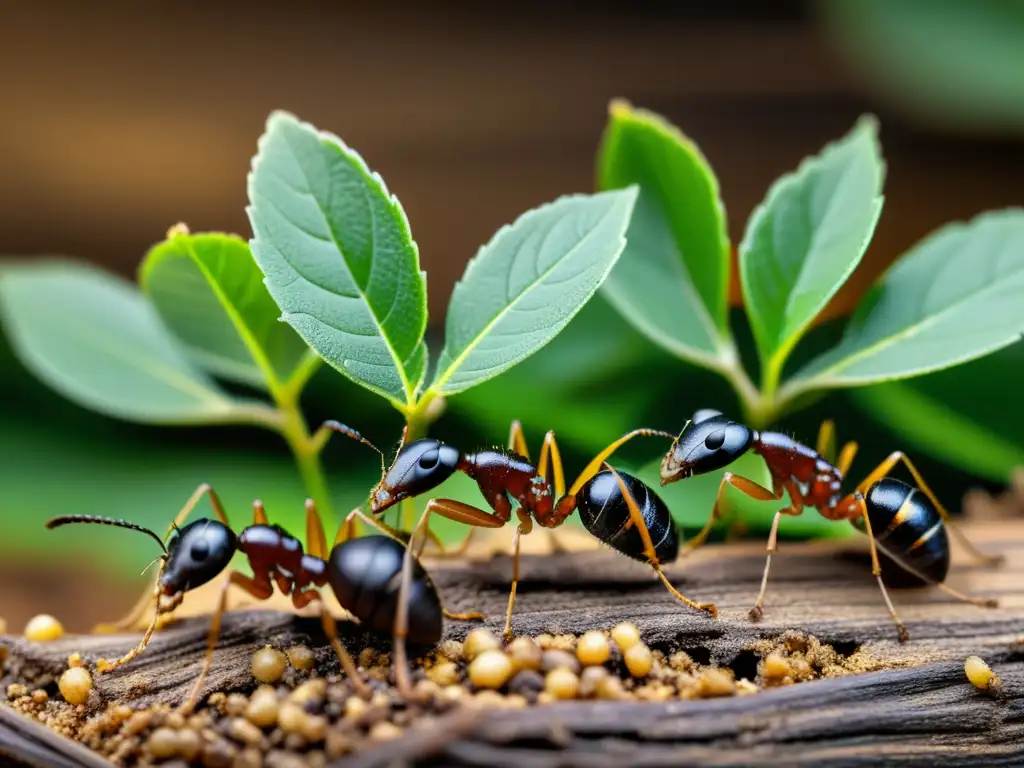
(97, 340)
(947, 63)
(942, 414)
(953, 297)
(807, 237)
(210, 293)
(338, 257)
(692, 500)
(672, 281)
(527, 283)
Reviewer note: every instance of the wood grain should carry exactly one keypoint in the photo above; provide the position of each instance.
(920, 709)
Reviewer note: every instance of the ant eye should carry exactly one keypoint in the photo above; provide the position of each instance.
(429, 459)
(200, 550)
(715, 440)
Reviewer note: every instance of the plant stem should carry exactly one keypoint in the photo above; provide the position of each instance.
(307, 456)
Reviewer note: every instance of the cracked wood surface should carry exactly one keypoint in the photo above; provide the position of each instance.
(921, 709)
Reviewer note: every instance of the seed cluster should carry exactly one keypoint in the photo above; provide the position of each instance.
(293, 717)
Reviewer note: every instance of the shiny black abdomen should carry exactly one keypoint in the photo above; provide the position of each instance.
(604, 513)
(907, 525)
(365, 574)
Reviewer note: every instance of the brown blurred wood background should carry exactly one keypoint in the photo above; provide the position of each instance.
(121, 119)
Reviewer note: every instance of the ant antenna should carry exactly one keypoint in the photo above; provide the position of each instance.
(346, 430)
(67, 519)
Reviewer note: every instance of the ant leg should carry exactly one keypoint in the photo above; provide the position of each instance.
(636, 518)
(795, 508)
(876, 568)
(517, 440)
(550, 449)
(984, 602)
(827, 441)
(742, 484)
(846, 457)
(103, 666)
(316, 541)
(453, 510)
(524, 526)
(303, 598)
(895, 458)
(259, 513)
(387, 530)
(261, 589)
(136, 612)
(595, 464)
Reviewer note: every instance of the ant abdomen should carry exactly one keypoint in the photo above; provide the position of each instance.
(604, 513)
(365, 574)
(907, 526)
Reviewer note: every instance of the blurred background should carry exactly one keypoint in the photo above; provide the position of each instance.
(122, 119)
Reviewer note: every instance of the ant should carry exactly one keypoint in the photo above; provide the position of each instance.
(361, 572)
(615, 507)
(911, 523)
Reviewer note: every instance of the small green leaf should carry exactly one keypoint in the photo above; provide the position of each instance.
(338, 257)
(953, 297)
(807, 237)
(97, 340)
(942, 414)
(672, 281)
(210, 293)
(525, 285)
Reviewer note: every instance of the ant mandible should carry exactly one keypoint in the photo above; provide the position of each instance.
(912, 526)
(361, 572)
(615, 507)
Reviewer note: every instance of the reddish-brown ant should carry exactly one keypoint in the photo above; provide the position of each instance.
(911, 525)
(614, 507)
(362, 573)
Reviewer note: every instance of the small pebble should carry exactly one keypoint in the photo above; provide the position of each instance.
(980, 674)
(262, 708)
(75, 685)
(268, 665)
(301, 657)
(478, 641)
(593, 648)
(626, 635)
(365, 658)
(163, 744)
(16, 691)
(189, 745)
(490, 669)
(43, 629)
(218, 753)
(561, 683)
(639, 660)
(556, 659)
(590, 679)
(526, 682)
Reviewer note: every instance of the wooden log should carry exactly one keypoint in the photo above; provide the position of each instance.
(917, 707)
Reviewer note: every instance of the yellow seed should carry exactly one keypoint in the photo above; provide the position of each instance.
(478, 641)
(355, 708)
(189, 745)
(76, 660)
(639, 660)
(610, 688)
(163, 743)
(590, 678)
(525, 653)
(311, 690)
(490, 669)
(75, 685)
(43, 629)
(262, 709)
(593, 648)
(626, 635)
(384, 731)
(445, 673)
(775, 667)
(291, 717)
(980, 674)
(561, 683)
(314, 729)
(716, 682)
(268, 665)
(301, 657)
(245, 732)
(235, 705)
(40, 696)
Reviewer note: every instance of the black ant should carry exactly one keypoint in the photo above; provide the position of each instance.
(362, 573)
(615, 507)
(911, 523)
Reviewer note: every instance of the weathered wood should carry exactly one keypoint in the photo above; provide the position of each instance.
(25, 742)
(921, 708)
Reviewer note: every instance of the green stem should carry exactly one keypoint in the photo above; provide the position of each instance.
(307, 456)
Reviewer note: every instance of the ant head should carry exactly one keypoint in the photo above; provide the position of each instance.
(419, 467)
(708, 442)
(196, 554)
